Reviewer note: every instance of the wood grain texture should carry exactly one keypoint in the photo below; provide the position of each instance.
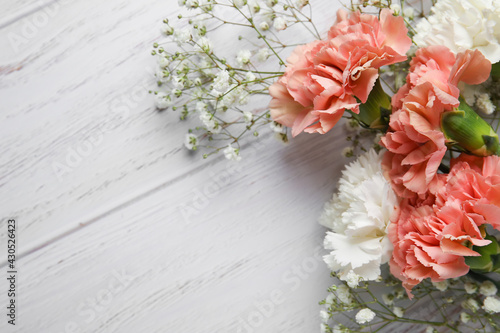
(120, 228)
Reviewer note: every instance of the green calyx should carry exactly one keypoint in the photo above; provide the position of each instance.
(377, 109)
(489, 261)
(466, 129)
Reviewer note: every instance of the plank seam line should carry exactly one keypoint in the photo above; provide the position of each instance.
(123, 205)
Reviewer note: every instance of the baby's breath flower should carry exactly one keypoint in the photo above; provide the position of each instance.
(271, 3)
(323, 314)
(247, 116)
(277, 127)
(190, 4)
(231, 153)
(464, 317)
(263, 54)
(399, 293)
(264, 26)
(364, 316)
(250, 77)
(388, 299)
(239, 3)
(343, 294)
(162, 101)
(191, 141)
(347, 152)
(205, 45)
(243, 57)
(323, 328)
(163, 62)
(396, 8)
(399, 312)
(182, 36)
(409, 12)
(488, 288)
(378, 137)
(166, 29)
(484, 104)
(301, 3)
(442, 285)
(221, 83)
(329, 299)
(254, 6)
(470, 304)
(470, 287)
(430, 329)
(279, 24)
(352, 279)
(352, 125)
(491, 304)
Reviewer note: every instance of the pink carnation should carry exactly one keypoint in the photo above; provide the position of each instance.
(324, 78)
(439, 66)
(475, 183)
(430, 233)
(415, 142)
(428, 243)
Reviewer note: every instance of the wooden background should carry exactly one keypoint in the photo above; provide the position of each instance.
(99, 181)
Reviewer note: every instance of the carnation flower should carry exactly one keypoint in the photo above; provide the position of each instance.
(323, 78)
(463, 25)
(364, 316)
(475, 183)
(428, 243)
(359, 216)
(415, 141)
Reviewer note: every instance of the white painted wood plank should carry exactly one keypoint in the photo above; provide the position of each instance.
(79, 87)
(205, 273)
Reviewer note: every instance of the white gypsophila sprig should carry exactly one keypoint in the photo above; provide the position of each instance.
(359, 215)
(461, 25)
(232, 153)
(196, 78)
(364, 316)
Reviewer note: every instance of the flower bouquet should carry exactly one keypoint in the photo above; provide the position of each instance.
(415, 215)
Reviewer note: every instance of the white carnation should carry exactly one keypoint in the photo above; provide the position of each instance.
(364, 316)
(359, 216)
(461, 25)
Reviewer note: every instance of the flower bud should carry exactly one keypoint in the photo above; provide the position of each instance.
(464, 127)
